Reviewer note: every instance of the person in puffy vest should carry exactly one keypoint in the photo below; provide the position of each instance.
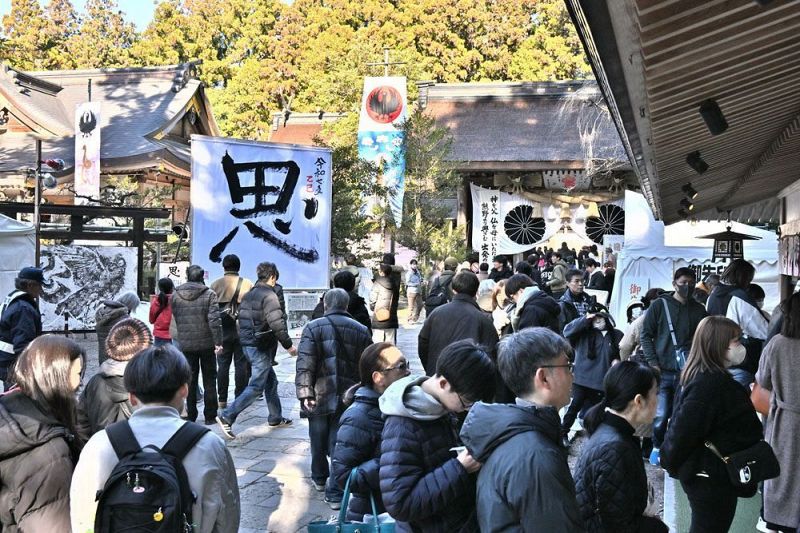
(20, 320)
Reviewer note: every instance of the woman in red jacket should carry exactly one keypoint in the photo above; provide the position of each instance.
(161, 312)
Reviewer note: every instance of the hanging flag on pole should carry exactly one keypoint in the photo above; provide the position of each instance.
(87, 151)
(380, 139)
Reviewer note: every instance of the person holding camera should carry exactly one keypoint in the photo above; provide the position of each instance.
(666, 338)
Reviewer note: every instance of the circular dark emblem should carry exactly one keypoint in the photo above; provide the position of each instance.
(610, 222)
(384, 104)
(521, 227)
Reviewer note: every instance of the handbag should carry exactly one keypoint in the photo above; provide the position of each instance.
(746, 468)
(343, 526)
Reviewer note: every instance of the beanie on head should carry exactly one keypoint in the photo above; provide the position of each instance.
(128, 337)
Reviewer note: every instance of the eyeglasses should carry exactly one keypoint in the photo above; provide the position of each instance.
(401, 366)
(464, 405)
(569, 366)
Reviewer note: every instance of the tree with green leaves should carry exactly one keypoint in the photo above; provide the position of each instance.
(105, 37)
(25, 36)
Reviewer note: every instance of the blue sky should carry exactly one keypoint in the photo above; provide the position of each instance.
(140, 12)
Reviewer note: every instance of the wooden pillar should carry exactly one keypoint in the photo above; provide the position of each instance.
(138, 241)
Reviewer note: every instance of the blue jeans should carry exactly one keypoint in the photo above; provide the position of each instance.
(161, 342)
(263, 380)
(666, 398)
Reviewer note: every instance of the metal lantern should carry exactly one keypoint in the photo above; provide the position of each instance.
(728, 244)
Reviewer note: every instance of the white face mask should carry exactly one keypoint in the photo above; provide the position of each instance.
(736, 355)
(599, 324)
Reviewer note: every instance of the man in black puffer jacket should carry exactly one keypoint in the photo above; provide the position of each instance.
(425, 486)
(327, 365)
(357, 307)
(261, 328)
(525, 482)
(454, 321)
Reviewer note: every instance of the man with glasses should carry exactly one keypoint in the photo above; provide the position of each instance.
(424, 477)
(327, 365)
(525, 483)
(574, 303)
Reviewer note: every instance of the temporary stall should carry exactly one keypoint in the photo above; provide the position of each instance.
(652, 252)
(16, 250)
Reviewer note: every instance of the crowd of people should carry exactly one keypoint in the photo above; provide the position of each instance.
(517, 362)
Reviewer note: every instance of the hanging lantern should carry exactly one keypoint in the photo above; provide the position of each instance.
(728, 244)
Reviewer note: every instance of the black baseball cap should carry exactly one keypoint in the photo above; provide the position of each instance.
(32, 274)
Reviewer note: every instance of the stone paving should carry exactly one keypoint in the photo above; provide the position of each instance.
(273, 465)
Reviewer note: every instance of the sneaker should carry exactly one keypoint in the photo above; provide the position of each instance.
(655, 457)
(283, 423)
(320, 487)
(335, 505)
(225, 426)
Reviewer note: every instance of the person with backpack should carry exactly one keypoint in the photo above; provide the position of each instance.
(104, 399)
(161, 312)
(155, 469)
(327, 366)
(230, 290)
(667, 333)
(38, 440)
(441, 290)
(20, 319)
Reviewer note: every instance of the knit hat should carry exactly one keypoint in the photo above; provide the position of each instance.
(129, 300)
(128, 337)
(450, 263)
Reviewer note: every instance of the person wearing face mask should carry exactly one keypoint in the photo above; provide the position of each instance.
(754, 321)
(610, 480)
(630, 345)
(710, 408)
(666, 337)
(596, 344)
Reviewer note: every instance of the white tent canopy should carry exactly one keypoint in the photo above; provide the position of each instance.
(16, 250)
(652, 252)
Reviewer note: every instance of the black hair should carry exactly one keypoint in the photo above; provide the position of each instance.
(231, 263)
(517, 282)
(466, 282)
(155, 374)
(469, 370)
(521, 354)
(756, 292)
(622, 383)
(165, 287)
(385, 269)
(589, 262)
(556, 254)
(791, 316)
(371, 361)
(388, 259)
(532, 259)
(195, 273)
(500, 259)
(344, 280)
(684, 271)
(350, 259)
(266, 270)
(524, 267)
(651, 295)
(739, 273)
(573, 273)
(484, 267)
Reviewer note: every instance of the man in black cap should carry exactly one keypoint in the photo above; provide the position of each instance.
(20, 320)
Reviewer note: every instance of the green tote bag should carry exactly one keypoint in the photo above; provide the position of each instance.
(343, 526)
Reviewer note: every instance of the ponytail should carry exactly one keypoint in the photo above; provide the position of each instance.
(165, 287)
(622, 383)
(594, 416)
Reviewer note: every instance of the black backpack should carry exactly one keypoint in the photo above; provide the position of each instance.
(438, 295)
(148, 491)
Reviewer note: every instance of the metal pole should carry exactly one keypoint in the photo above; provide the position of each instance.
(386, 61)
(37, 200)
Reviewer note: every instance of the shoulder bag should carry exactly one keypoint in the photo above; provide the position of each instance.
(680, 353)
(341, 525)
(748, 467)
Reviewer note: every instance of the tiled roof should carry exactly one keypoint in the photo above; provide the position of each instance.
(524, 122)
(136, 104)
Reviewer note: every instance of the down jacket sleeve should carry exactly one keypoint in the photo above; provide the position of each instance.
(411, 494)
(214, 318)
(273, 315)
(43, 499)
(306, 367)
(355, 448)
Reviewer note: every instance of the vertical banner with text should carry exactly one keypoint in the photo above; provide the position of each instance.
(380, 139)
(87, 151)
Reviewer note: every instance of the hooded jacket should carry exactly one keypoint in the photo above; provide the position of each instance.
(424, 487)
(327, 360)
(656, 340)
(104, 399)
(109, 313)
(197, 319)
(385, 294)
(593, 350)
(611, 481)
(20, 324)
(524, 483)
(558, 279)
(358, 445)
(454, 321)
(35, 465)
(537, 309)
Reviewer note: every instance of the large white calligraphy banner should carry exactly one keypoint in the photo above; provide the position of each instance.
(262, 202)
